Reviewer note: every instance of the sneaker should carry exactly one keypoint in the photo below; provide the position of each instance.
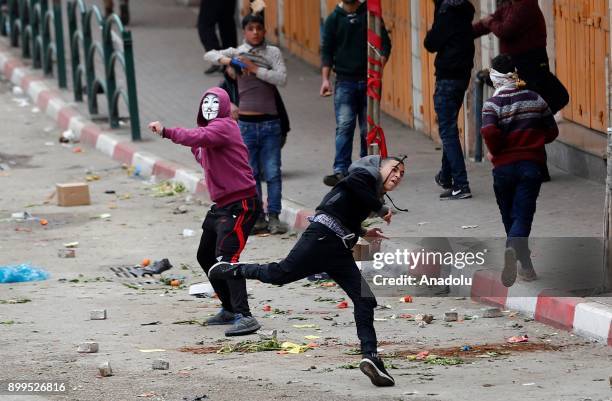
(508, 276)
(332, 179)
(527, 274)
(212, 69)
(261, 225)
(222, 317)
(373, 367)
(453, 194)
(242, 326)
(275, 225)
(224, 271)
(444, 184)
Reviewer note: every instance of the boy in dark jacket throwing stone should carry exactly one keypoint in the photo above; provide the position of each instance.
(326, 245)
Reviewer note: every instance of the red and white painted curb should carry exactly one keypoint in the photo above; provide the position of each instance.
(589, 319)
(49, 100)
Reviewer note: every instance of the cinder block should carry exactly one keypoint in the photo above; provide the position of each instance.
(160, 364)
(105, 369)
(491, 312)
(88, 347)
(97, 314)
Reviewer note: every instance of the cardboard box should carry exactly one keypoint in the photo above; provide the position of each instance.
(72, 194)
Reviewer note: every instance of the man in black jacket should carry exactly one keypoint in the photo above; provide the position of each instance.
(451, 38)
(326, 245)
(344, 47)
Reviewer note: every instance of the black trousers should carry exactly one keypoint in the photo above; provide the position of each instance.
(320, 250)
(225, 232)
(221, 13)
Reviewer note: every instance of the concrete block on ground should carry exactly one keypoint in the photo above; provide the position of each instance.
(491, 312)
(450, 316)
(97, 314)
(105, 369)
(160, 364)
(88, 347)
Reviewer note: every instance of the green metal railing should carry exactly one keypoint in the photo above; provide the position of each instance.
(38, 31)
(84, 50)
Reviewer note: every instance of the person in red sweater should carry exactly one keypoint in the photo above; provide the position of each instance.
(521, 29)
(516, 124)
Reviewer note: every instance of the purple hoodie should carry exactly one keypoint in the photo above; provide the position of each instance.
(218, 146)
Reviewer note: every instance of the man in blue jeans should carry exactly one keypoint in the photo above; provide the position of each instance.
(451, 38)
(344, 48)
(516, 125)
(259, 69)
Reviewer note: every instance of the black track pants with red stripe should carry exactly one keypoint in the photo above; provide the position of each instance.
(225, 232)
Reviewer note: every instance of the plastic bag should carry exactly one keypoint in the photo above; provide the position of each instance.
(21, 273)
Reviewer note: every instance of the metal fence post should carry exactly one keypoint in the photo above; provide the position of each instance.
(130, 76)
(109, 73)
(59, 44)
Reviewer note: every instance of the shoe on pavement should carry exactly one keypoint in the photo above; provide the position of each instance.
(212, 69)
(508, 275)
(275, 225)
(332, 179)
(373, 367)
(222, 317)
(442, 183)
(242, 326)
(261, 225)
(454, 194)
(224, 271)
(527, 274)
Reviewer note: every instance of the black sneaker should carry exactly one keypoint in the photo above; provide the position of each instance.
(444, 184)
(374, 368)
(243, 326)
(222, 317)
(454, 194)
(332, 179)
(508, 276)
(224, 271)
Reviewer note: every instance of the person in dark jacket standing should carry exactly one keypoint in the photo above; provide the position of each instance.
(345, 49)
(213, 13)
(326, 246)
(521, 29)
(451, 38)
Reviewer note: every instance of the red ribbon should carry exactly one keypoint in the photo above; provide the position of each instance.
(377, 135)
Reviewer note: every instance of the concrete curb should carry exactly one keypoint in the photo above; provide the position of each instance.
(587, 319)
(50, 102)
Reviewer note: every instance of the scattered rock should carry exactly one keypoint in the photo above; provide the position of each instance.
(491, 312)
(160, 364)
(105, 369)
(450, 316)
(88, 347)
(97, 314)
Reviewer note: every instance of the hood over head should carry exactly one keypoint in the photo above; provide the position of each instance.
(225, 107)
(372, 165)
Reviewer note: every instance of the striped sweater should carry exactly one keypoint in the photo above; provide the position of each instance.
(516, 124)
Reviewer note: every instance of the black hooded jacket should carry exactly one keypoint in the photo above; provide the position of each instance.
(355, 197)
(451, 38)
